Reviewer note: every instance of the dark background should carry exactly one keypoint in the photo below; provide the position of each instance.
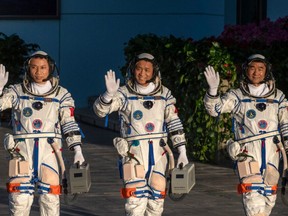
(29, 9)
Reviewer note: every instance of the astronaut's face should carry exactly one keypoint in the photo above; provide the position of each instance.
(39, 69)
(256, 72)
(143, 72)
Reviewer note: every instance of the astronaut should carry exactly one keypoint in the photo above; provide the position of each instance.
(148, 117)
(260, 120)
(42, 114)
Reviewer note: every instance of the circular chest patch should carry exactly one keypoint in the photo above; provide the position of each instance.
(135, 143)
(262, 124)
(37, 105)
(251, 114)
(27, 112)
(37, 123)
(137, 115)
(149, 127)
(148, 104)
(261, 106)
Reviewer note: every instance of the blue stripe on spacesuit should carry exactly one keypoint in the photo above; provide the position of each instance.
(43, 189)
(273, 166)
(164, 127)
(262, 189)
(35, 159)
(106, 121)
(39, 98)
(233, 126)
(146, 98)
(26, 189)
(142, 193)
(50, 167)
(260, 100)
(159, 173)
(146, 191)
(263, 154)
(151, 161)
(151, 194)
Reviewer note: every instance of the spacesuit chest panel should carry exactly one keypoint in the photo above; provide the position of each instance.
(147, 115)
(257, 116)
(36, 114)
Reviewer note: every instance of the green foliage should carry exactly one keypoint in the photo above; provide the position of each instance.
(182, 62)
(13, 52)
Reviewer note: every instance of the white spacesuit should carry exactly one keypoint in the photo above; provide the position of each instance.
(41, 113)
(260, 117)
(148, 117)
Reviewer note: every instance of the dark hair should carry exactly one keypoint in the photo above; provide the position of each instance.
(143, 56)
(42, 55)
(257, 58)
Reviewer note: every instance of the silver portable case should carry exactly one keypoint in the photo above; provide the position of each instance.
(183, 180)
(79, 178)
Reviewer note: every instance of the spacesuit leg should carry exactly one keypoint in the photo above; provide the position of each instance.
(20, 204)
(135, 206)
(258, 205)
(21, 195)
(49, 204)
(157, 182)
(21, 190)
(271, 178)
(154, 207)
(254, 203)
(49, 188)
(270, 203)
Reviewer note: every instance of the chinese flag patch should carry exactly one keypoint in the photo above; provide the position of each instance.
(176, 110)
(72, 111)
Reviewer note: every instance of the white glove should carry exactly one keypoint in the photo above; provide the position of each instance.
(3, 77)
(233, 149)
(111, 85)
(213, 80)
(182, 156)
(78, 155)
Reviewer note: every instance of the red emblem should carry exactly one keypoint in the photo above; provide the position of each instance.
(72, 111)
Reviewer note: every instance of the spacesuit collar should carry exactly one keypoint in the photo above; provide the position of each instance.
(27, 87)
(246, 90)
(41, 88)
(132, 87)
(260, 90)
(145, 89)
